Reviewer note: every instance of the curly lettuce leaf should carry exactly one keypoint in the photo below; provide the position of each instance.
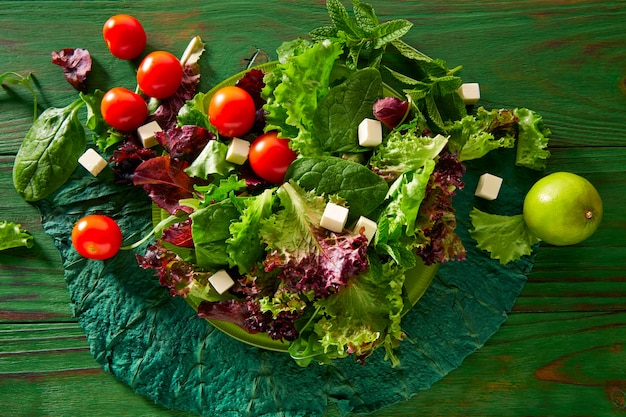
(473, 137)
(405, 197)
(404, 151)
(12, 236)
(244, 246)
(309, 257)
(532, 141)
(506, 238)
(364, 315)
(293, 91)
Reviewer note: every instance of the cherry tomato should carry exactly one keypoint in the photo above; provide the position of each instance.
(97, 237)
(232, 111)
(159, 74)
(123, 109)
(270, 156)
(124, 36)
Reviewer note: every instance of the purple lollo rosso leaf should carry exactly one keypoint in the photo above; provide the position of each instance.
(76, 64)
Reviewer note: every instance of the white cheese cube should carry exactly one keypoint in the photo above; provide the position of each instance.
(221, 281)
(147, 133)
(92, 161)
(470, 93)
(488, 187)
(238, 151)
(367, 227)
(334, 217)
(370, 133)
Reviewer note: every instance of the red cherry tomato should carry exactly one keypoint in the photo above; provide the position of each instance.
(159, 74)
(124, 36)
(123, 109)
(232, 111)
(97, 237)
(270, 156)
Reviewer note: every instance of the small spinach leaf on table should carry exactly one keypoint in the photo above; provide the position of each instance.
(49, 153)
(363, 190)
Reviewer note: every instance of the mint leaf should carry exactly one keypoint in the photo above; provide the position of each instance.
(506, 238)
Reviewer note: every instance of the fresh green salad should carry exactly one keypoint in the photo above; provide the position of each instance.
(295, 199)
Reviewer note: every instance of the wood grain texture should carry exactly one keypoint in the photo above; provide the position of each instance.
(560, 353)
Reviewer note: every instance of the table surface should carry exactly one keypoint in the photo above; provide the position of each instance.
(560, 353)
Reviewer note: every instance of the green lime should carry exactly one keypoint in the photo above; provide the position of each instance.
(563, 209)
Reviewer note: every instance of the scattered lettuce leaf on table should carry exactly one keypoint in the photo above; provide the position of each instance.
(13, 236)
(506, 238)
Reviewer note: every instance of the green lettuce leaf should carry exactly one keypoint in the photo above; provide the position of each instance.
(293, 91)
(532, 141)
(211, 161)
(405, 151)
(506, 238)
(244, 246)
(405, 197)
(364, 315)
(210, 229)
(473, 137)
(12, 236)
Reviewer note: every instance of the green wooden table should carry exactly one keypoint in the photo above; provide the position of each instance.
(561, 351)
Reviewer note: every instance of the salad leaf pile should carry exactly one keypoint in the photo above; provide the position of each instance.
(326, 294)
(329, 294)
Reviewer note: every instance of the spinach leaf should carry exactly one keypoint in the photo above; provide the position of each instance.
(363, 190)
(210, 228)
(339, 113)
(49, 153)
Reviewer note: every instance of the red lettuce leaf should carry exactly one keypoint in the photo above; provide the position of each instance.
(184, 143)
(391, 111)
(179, 234)
(128, 156)
(247, 314)
(173, 272)
(76, 64)
(169, 107)
(165, 182)
(437, 214)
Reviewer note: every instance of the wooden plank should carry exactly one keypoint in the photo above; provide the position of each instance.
(540, 364)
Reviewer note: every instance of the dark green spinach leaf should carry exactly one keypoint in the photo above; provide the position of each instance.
(339, 113)
(363, 190)
(49, 153)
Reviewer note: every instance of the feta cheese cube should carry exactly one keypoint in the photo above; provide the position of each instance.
(470, 93)
(488, 187)
(238, 151)
(367, 227)
(334, 217)
(370, 133)
(92, 161)
(147, 133)
(221, 281)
